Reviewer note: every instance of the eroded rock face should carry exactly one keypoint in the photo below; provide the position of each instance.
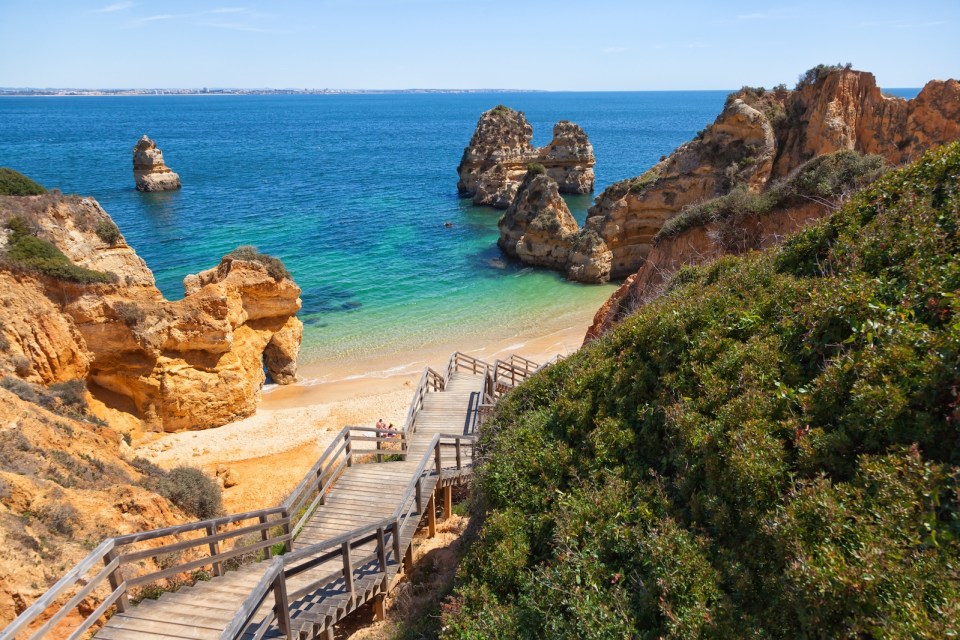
(538, 228)
(842, 110)
(496, 160)
(149, 170)
(697, 245)
(188, 364)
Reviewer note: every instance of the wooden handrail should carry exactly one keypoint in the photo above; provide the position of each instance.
(271, 581)
(31, 613)
(319, 478)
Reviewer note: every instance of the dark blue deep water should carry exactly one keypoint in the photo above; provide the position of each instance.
(351, 191)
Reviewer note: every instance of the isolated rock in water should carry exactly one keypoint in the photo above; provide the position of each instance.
(149, 170)
(538, 228)
(496, 160)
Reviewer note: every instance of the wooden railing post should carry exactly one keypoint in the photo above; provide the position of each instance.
(265, 535)
(214, 549)
(282, 606)
(459, 463)
(432, 516)
(436, 455)
(379, 447)
(116, 579)
(347, 568)
(447, 502)
(286, 530)
(346, 449)
(420, 494)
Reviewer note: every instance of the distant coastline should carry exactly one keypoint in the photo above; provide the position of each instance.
(28, 91)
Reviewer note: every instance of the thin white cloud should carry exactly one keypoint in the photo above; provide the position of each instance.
(116, 6)
(240, 12)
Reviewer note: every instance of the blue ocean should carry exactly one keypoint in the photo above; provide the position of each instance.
(351, 191)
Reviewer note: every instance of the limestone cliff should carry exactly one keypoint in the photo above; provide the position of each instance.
(496, 160)
(188, 364)
(760, 136)
(149, 170)
(64, 485)
(538, 228)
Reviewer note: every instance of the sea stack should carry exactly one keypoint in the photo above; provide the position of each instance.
(495, 162)
(149, 170)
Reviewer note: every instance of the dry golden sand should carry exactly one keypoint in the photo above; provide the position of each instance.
(272, 450)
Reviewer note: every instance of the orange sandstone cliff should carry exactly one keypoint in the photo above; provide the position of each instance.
(759, 136)
(188, 364)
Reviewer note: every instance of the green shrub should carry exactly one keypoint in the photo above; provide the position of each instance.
(130, 313)
(768, 450)
(819, 72)
(536, 169)
(107, 231)
(822, 179)
(28, 252)
(274, 266)
(14, 183)
(192, 490)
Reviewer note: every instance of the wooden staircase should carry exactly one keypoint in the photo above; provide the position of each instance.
(339, 541)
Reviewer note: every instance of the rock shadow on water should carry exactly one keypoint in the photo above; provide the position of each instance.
(318, 301)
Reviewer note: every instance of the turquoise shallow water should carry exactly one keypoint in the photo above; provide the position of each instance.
(351, 191)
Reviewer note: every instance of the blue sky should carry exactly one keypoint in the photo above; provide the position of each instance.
(520, 44)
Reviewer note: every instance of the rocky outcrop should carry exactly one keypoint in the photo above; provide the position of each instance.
(538, 228)
(760, 136)
(500, 151)
(696, 245)
(188, 364)
(149, 170)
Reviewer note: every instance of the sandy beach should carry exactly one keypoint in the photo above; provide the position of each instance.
(269, 452)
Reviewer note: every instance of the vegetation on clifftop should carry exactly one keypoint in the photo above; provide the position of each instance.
(822, 179)
(274, 266)
(14, 183)
(771, 449)
(28, 252)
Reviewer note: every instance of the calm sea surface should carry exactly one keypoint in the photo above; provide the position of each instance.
(351, 191)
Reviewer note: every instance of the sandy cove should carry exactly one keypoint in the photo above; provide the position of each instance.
(271, 451)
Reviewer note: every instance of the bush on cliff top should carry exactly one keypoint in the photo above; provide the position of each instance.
(770, 450)
(274, 266)
(14, 183)
(823, 179)
(30, 253)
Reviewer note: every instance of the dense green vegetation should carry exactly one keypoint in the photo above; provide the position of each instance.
(27, 251)
(770, 450)
(274, 266)
(14, 183)
(821, 179)
(815, 74)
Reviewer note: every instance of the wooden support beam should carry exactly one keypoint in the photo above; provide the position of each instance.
(379, 610)
(447, 502)
(408, 560)
(432, 515)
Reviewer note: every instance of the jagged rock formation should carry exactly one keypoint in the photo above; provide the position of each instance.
(189, 364)
(538, 228)
(149, 170)
(757, 137)
(495, 162)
